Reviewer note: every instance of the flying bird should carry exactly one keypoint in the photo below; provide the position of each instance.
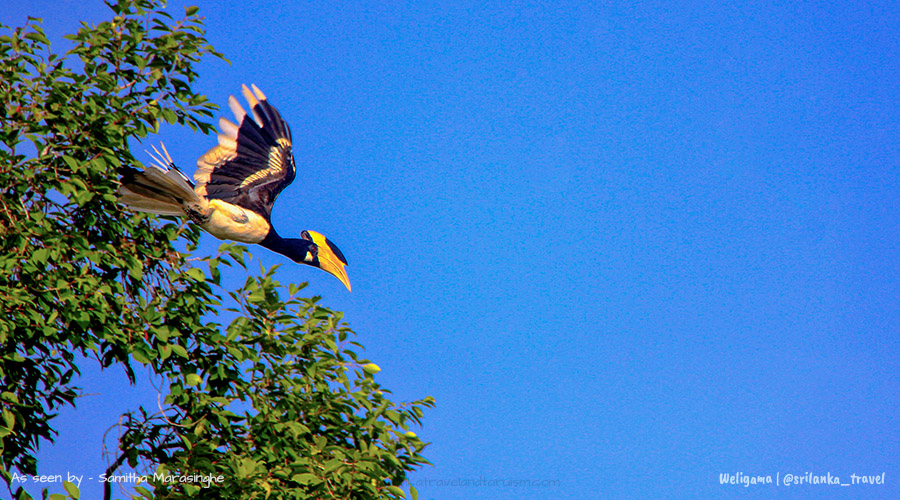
(236, 185)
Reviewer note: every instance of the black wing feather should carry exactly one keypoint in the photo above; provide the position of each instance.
(253, 162)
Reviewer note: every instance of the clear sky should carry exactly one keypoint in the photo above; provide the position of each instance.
(627, 246)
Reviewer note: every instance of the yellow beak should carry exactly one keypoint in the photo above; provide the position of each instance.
(329, 263)
(331, 260)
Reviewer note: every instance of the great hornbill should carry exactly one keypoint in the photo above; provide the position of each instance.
(237, 183)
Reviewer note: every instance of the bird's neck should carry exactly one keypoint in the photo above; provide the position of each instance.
(292, 248)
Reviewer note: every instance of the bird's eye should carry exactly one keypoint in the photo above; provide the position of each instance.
(312, 253)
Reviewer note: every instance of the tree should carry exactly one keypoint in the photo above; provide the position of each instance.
(277, 403)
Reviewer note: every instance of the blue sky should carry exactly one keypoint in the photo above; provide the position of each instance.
(627, 246)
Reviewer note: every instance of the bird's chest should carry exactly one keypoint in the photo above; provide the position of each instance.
(230, 222)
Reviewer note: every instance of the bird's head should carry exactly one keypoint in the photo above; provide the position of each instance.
(316, 250)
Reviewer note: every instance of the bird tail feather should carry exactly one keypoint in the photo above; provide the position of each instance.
(160, 188)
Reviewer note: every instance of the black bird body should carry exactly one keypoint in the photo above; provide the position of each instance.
(237, 183)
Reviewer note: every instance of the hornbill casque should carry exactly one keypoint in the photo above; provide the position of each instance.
(236, 185)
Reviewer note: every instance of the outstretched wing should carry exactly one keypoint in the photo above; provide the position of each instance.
(253, 161)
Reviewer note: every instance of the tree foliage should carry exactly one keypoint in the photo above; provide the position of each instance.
(277, 402)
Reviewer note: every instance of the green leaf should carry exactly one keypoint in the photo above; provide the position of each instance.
(71, 162)
(305, 478)
(332, 464)
(395, 490)
(72, 490)
(192, 379)
(36, 37)
(144, 492)
(9, 419)
(140, 356)
(179, 350)
(246, 467)
(196, 273)
(40, 255)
